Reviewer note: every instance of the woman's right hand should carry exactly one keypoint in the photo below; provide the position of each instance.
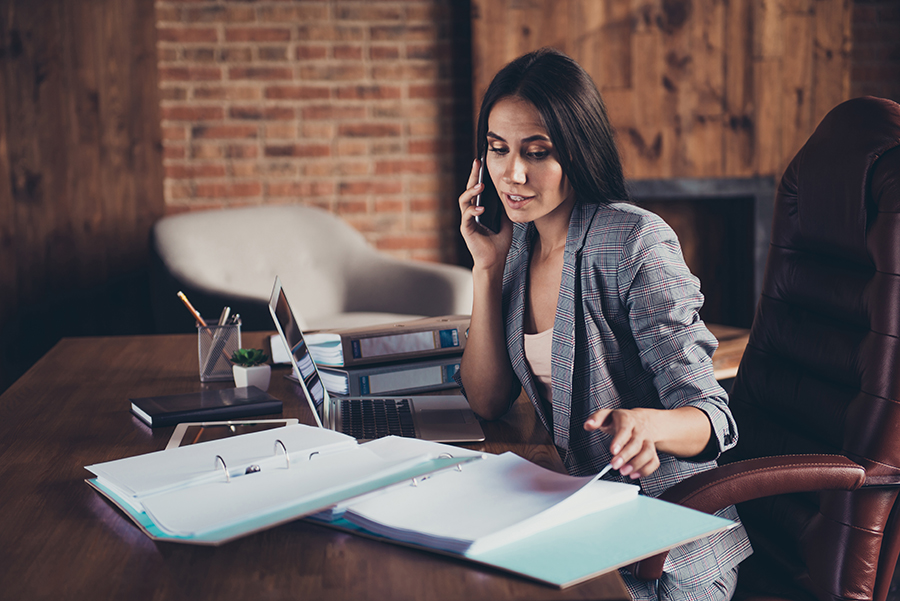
(488, 249)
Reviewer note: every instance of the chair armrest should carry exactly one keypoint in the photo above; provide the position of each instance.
(753, 479)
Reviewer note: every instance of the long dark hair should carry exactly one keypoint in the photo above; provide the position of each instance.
(574, 115)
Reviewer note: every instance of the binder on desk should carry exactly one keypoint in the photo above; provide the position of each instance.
(424, 375)
(400, 341)
(213, 492)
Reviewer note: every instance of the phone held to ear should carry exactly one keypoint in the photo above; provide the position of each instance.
(490, 200)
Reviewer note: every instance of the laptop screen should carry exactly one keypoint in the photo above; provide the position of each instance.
(300, 357)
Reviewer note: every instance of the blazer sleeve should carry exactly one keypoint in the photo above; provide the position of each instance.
(663, 301)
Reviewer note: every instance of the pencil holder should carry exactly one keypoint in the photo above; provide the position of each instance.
(215, 345)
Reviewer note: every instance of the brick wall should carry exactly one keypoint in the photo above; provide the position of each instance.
(875, 66)
(358, 107)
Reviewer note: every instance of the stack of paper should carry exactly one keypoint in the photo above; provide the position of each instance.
(325, 348)
(485, 505)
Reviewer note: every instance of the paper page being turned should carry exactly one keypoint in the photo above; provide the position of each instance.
(487, 504)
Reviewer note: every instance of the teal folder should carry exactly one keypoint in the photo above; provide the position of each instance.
(590, 546)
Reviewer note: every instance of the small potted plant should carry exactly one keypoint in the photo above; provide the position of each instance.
(250, 368)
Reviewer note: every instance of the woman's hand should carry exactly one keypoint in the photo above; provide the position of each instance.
(639, 434)
(488, 249)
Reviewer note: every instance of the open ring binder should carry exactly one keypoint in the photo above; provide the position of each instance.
(177, 495)
(450, 456)
(224, 467)
(415, 481)
(287, 458)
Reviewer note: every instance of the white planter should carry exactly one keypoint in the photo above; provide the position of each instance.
(258, 376)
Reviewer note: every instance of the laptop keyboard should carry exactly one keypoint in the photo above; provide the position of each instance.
(374, 418)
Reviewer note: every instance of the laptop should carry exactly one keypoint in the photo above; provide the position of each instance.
(439, 418)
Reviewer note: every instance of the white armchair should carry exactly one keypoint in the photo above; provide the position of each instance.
(332, 275)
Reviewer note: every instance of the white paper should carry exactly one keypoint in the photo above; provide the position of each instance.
(391, 448)
(153, 473)
(325, 348)
(488, 504)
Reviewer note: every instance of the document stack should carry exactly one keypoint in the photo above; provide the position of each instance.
(415, 356)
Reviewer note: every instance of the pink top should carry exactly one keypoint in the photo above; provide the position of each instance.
(537, 355)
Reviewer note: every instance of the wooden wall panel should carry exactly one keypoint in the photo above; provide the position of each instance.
(695, 88)
(80, 170)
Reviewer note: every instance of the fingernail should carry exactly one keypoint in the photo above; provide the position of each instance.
(617, 463)
(615, 449)
(635, 475)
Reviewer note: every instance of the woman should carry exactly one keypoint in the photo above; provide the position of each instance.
(586, 303)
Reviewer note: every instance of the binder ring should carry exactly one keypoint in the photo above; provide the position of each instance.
(224, 467)
(287, 458)
(449, 456)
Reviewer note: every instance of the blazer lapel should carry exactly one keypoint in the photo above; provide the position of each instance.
(516, 287)
(563, 359)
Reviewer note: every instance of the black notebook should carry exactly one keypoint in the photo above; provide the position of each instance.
(207, 405)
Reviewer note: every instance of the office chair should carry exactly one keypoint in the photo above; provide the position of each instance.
(817, 394)
(332, 275)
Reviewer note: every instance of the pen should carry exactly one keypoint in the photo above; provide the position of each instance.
(219, 341)
(191, 308)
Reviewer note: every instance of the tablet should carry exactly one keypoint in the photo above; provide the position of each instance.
(192, 433)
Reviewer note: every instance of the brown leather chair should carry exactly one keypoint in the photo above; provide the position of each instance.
(817, 395)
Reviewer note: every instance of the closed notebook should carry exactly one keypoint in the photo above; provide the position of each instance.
(207, 405)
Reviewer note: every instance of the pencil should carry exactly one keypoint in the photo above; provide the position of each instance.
(191, 308)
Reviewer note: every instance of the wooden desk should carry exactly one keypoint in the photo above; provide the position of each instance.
(60, 539)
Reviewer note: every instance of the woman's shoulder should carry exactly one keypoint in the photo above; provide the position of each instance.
(624, 222)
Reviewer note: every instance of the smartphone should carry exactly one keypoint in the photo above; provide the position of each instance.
(490, 200)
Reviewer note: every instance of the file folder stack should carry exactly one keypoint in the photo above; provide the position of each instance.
(406, 357)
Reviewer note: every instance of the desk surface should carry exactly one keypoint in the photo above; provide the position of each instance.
(62, 539)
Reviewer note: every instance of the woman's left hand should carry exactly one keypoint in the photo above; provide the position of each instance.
(639, 434)
(633, 445)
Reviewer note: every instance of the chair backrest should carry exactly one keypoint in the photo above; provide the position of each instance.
(333, 276)
(821, 373)
(240, 251)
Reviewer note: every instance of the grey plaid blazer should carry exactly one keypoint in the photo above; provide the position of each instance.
(627, 334)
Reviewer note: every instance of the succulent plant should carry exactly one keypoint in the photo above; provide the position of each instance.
(249, 357)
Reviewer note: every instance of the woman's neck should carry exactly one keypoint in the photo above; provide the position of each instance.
(552, 230)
